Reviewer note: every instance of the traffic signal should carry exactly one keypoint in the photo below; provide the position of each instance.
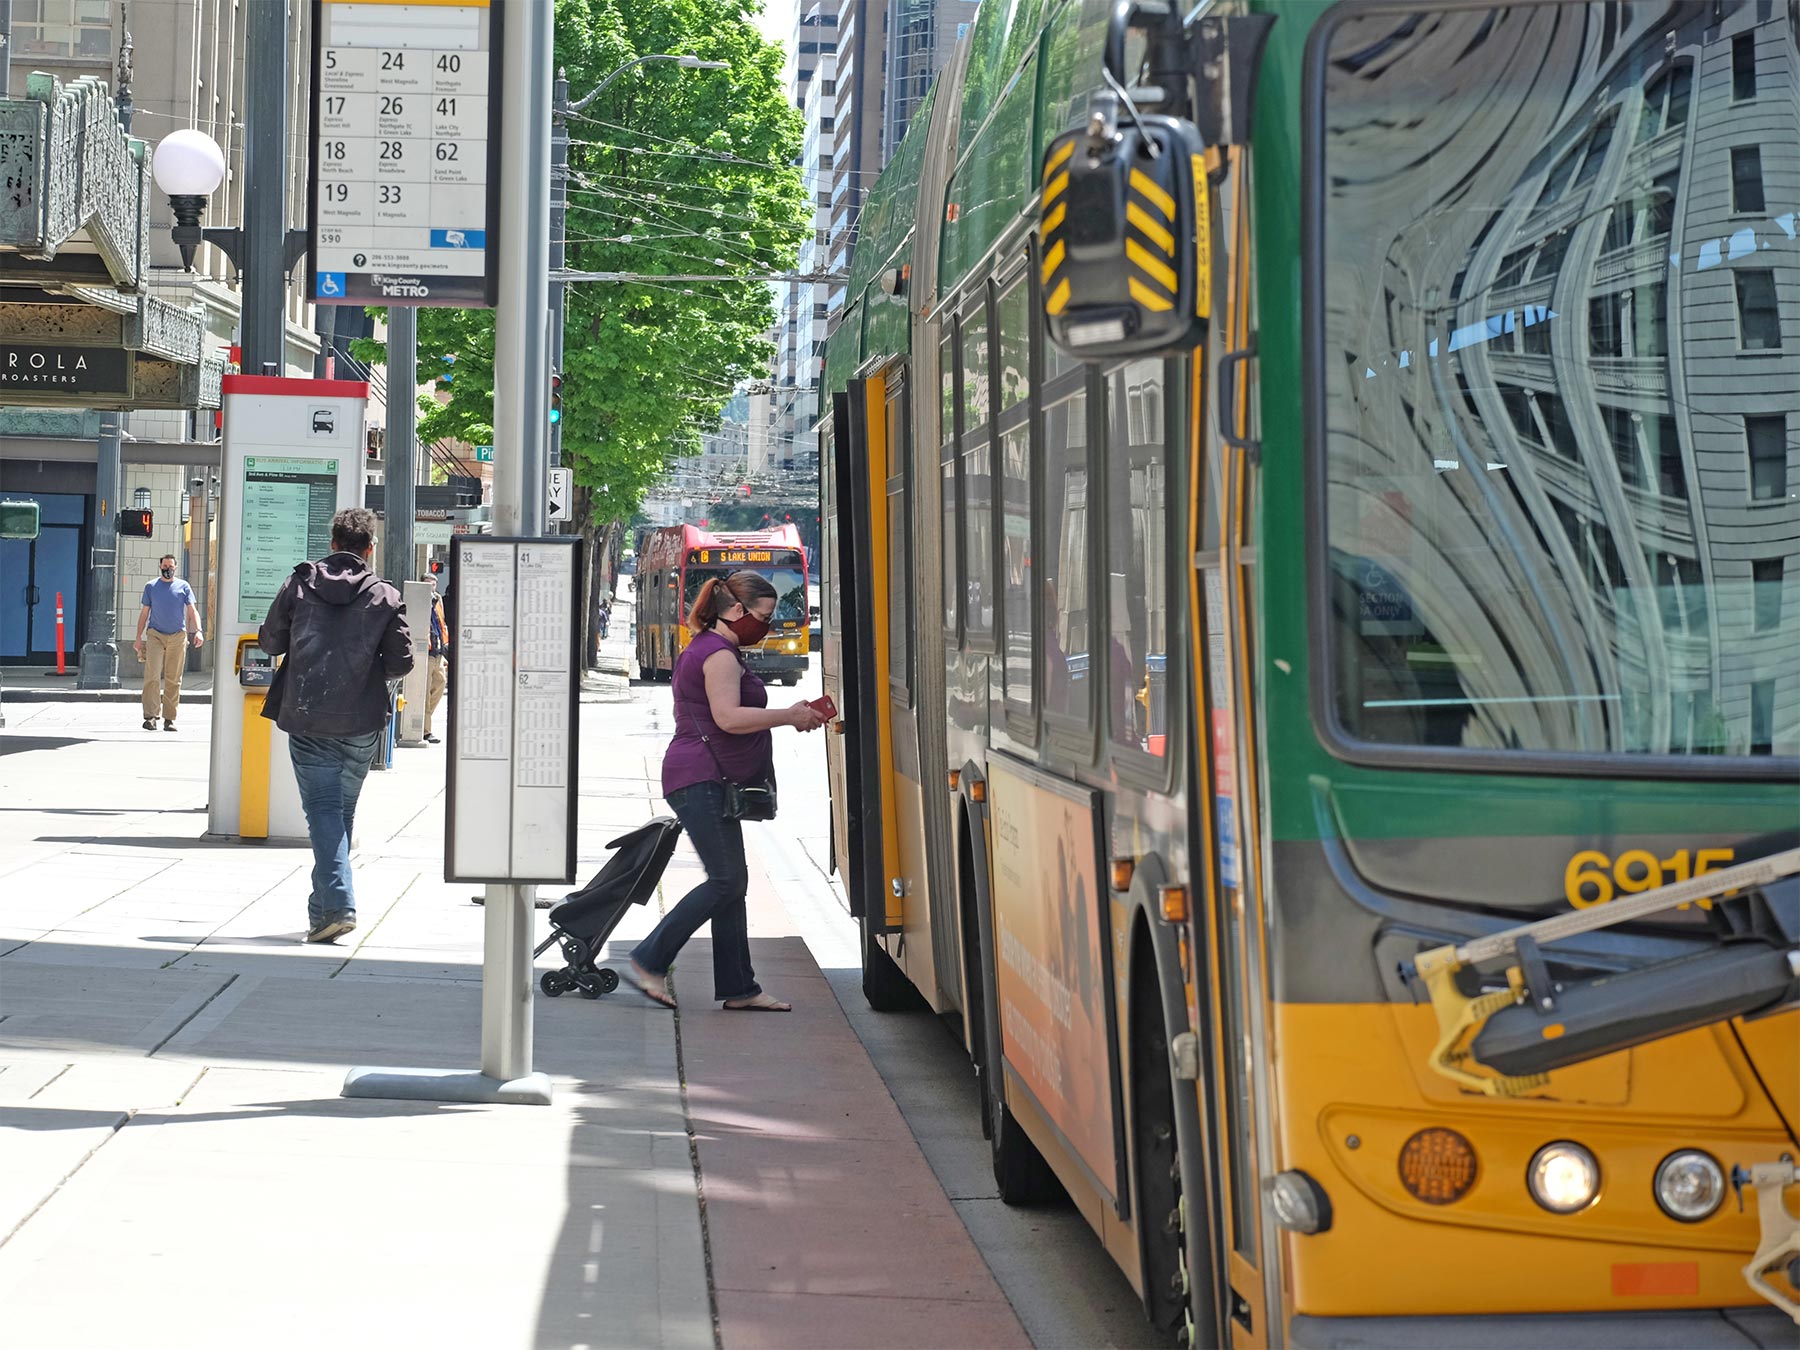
(18, 520)
(135, 523)
(555, 397)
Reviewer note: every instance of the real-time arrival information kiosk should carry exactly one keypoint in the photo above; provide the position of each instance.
(292, 460)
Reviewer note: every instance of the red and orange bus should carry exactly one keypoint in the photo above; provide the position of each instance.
(674, 561)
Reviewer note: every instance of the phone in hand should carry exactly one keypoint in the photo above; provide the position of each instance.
(824, 706)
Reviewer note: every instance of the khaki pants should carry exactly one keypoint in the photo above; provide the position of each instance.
(165, 654)
(434, 688)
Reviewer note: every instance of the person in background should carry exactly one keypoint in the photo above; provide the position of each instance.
(722, 725)
(439, 673)
(343, 632)
(167, 619)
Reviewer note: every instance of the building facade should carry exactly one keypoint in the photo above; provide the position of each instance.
(171, 66)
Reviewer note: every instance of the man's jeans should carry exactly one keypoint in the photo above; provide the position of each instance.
(330, 771)
(720, 844)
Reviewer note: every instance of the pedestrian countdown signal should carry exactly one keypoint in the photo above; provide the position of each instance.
(19, 520)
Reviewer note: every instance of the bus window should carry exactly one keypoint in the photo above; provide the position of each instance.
(977, 474)
(1067, 588)
(1578, 555)
(1136, 558)
(790, 590)
(1016, 613)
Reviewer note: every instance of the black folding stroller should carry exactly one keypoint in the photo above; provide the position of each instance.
(586, 918)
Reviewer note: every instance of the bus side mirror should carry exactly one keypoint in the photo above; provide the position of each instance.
(1125, 239)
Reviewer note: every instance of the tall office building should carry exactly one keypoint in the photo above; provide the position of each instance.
(860, 73)
(791, 407)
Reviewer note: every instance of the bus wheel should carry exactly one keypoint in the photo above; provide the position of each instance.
(884, 984)
(1161, 1214)
(1020, 1173)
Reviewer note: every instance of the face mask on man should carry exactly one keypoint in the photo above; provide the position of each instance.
(749, 629)
(168, 572)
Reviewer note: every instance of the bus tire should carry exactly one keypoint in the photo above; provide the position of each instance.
(1020, 1173)
(884, 984)
(1156, 1154)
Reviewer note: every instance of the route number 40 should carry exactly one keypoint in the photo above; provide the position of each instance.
(1593, 878)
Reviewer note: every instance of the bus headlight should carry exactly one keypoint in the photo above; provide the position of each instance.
(1690, 1185)
(1563, 1177)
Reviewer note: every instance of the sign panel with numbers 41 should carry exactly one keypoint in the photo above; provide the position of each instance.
(405, 182)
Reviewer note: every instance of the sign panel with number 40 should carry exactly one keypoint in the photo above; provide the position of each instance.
(404, 185)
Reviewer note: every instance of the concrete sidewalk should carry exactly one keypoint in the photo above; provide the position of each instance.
(180, 1170)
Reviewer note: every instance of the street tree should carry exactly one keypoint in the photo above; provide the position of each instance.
(671, 171)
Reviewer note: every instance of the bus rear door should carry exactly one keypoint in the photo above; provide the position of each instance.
(857, 657)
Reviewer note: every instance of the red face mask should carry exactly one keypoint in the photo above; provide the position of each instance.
(749, 629)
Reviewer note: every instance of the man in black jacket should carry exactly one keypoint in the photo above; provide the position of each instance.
(343, 632)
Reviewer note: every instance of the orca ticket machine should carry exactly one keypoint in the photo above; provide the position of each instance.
(293, 458)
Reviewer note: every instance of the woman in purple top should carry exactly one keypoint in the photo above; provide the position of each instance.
(718, 698)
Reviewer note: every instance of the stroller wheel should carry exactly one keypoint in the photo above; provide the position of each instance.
(589, 985)
(551, 983)
(609, 979)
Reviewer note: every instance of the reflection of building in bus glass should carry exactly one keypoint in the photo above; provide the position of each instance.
(1564, 406)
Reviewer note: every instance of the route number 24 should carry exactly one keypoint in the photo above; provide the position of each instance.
(1592, 878)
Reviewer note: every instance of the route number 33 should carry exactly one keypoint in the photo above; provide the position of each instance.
(1592, 878)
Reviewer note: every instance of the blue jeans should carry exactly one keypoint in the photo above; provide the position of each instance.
(330, 771)
(720, 898)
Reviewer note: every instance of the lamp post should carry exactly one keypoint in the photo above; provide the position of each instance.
(188, 167)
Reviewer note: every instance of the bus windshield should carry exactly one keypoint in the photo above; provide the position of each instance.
(1559, 378)
(790, 589)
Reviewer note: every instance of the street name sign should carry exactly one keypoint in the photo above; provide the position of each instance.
(509, 812)
(561, 481)
(404, 184)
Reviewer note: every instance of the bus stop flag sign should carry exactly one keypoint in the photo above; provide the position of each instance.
(404, 192)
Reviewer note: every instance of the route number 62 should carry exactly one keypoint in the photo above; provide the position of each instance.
(1592, 878)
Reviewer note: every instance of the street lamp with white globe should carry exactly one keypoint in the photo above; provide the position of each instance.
(189, 166)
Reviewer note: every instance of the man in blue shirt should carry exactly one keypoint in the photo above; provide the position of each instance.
(167, 614)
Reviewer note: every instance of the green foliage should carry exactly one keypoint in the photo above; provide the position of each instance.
(671, 171)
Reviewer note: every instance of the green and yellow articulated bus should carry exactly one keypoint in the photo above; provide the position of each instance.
(1312, 569)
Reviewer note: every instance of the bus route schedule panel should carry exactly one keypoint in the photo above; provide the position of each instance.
(288, 505)
(405, 177)
(514, 724)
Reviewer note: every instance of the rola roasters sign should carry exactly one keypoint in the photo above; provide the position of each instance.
(64, 370)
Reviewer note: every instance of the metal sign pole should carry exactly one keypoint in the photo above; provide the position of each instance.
(520, 388)
(520, 391)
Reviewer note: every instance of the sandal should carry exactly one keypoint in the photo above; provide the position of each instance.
(653, 987)
(758, 1003)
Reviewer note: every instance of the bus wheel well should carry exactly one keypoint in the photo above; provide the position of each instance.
(1156, 1159)
(974, 1001)
(1021, 1175)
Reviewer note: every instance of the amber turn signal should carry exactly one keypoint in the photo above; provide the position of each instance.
(1122, 869)
(977, 791)
(1437, 1166)
(1174, 903)
(954, 777)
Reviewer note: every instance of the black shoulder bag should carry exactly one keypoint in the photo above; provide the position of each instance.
(745, 801)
